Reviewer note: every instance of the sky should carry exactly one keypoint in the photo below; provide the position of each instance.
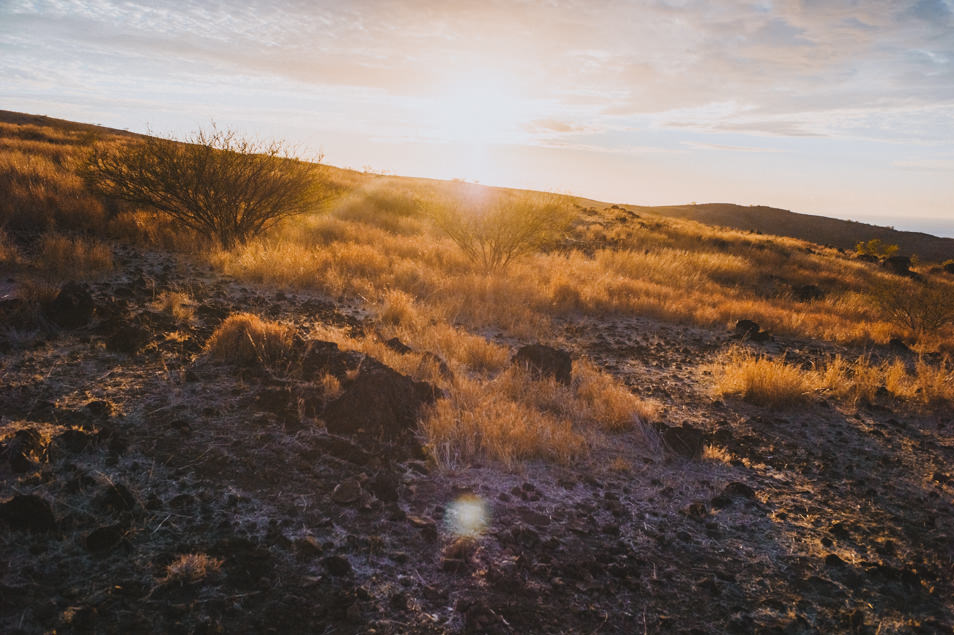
(843, 108)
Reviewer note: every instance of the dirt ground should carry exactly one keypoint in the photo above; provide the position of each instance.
(124, 449)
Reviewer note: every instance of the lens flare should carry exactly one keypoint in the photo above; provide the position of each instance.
(467, 516)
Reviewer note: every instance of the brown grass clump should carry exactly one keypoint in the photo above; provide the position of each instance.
(776, 383)
(246, 339)
(190, 568)
(178, 304)
(763, 381)
(514, 417)
(73, 258)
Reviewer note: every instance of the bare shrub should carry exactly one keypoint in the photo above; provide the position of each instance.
(493, 228)
(246, 339)
(221, 185)
(924, 307)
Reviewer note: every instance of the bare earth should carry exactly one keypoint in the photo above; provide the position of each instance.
(816, 519)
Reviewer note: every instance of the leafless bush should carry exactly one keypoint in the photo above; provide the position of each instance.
(217, 183)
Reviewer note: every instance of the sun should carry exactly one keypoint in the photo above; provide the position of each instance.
(479, 108)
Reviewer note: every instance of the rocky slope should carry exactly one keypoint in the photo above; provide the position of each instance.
(145, 488)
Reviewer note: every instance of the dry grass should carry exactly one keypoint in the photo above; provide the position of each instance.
(178, 304)
(73, 258)
(777, 383)
(191, 568)
(246, 339)
(9, 254)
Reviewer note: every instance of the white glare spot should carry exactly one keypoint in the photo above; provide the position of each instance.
(467, 516)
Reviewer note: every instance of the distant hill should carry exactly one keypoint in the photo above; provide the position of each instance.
(767, 220)
(818, 229)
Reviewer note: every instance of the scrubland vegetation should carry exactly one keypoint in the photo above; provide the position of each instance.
(445, 264)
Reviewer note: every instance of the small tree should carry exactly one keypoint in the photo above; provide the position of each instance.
(922, 306)
(494, 228)
(221, 185)
(875, 247)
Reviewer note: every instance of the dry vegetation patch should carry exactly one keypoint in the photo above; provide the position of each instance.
(246, 339)
(777, 383)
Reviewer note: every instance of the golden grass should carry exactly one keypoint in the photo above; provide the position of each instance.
(778, 384)
(178, 304)
(246, 339)
(9, 254)
(190, 568)
(73, 258)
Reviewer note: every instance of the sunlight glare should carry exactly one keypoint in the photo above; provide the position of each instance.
(468, 516)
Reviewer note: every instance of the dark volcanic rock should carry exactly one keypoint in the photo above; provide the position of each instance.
(337, 565)
(395, 344)
(128, 339)
(325, 358)
(28, 512)
(545, 361)
(684, 440)
(104, 538)
(807, 292)
(900, 265)
(381, 402)
(24, 450)
(72, 307)
(747, 329)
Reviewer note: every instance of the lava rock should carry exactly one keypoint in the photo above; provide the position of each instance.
(28, 512)
(380, 402)
(750, 330)
(127, 339)
(684, 441)
(544, 362)
(346, 492)
(807, 292)
(900, 265)
(337, 565)
(395, 344)
(384, 486)
(736, 489)
(72, 307)
(104, 538)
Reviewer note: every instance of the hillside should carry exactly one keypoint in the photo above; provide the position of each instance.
(843, 234)
(360, 421)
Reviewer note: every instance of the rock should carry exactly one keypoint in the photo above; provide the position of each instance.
(427, 527)
(897, 345)
(900, 265)
(684, 441)
(545, 361)
(749, 330)
(949, 267)
(430, 358)
(807, 292)
(346, 492)
(456, 556)
(384, 486)
(380, 402)
(75, 440)
(325, 358)
(127, 339)
(117, 497)
(24, 451)
(398, 346)
(28, 512)
(337, 565)
(340, 448)
(72, 307)
(736, 489)
(104, 538)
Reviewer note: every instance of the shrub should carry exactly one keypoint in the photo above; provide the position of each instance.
(922, 306)
(875, 247)
(224, 187)
(246, 339)
(493, 228)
